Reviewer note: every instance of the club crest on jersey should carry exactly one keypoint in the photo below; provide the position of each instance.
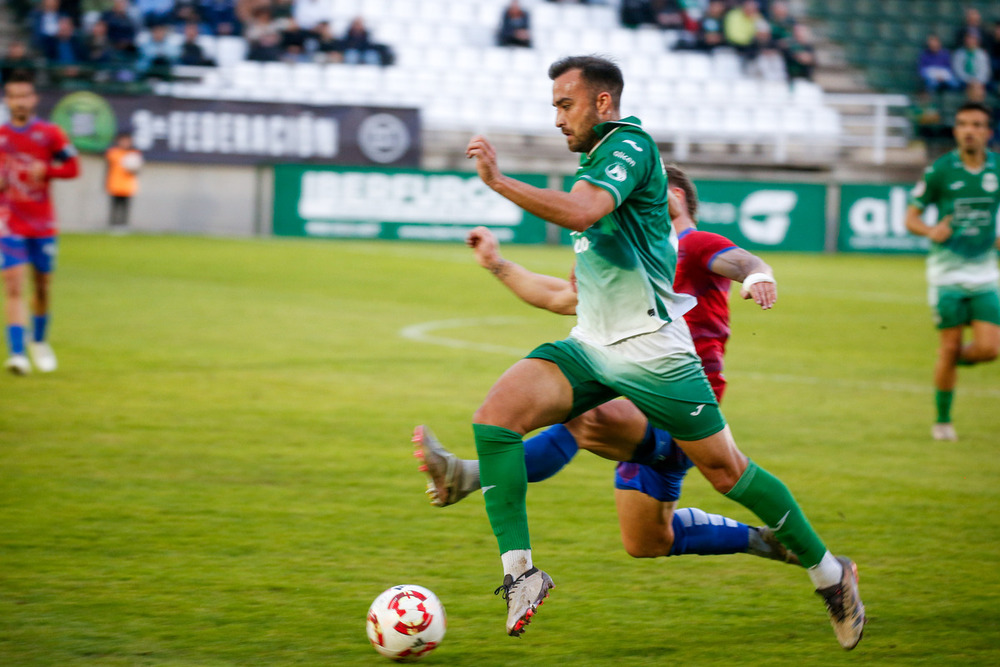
(990, 183)
(617, 172)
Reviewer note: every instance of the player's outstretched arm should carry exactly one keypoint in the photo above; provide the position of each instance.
(749, 269)
(575, 210)
(541, 291)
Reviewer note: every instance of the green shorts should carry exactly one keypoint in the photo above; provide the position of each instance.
(955, 306)
(672, 392)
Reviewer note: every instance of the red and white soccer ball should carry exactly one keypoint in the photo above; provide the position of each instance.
(406, 622)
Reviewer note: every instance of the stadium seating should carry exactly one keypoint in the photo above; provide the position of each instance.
(884, 37)
(447, 65)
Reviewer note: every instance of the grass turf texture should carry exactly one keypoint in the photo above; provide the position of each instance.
(220, 471)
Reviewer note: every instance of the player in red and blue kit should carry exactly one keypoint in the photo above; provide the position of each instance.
(32, 152)
(709, 320)
(648, 479)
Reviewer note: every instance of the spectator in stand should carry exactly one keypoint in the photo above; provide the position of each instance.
(634, 13)
(263, 36)
(768, 62)
(710, 31)
(970, 63)
(99, 52)
(741, 26)
(295, 42)
(220, 17)
(934, 67)
(44, 22)
(782, 25)
(328, 48)
(191, 51)
(159, 50)
(668, 14)
(800, 56)
(122, 27)
(973, 25)
(515, 26)
(310, 13)
(154, 12)
(187, 11)
(358, 47)
(64, 50)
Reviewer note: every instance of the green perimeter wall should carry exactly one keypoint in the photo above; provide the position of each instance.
(345, 202)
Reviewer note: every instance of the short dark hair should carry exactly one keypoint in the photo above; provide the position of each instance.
(21, 76)
(600, 74)
(976, 106)
(677, 178)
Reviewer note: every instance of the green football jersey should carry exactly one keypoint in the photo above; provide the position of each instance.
(625, 262)
(969, 257)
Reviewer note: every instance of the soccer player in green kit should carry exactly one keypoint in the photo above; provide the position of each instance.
(962, 264)
(630, 340)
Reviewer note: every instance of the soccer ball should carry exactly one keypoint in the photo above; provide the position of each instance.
(132, 162)
(406, 623)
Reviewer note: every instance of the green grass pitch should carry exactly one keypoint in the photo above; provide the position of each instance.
(220, 472)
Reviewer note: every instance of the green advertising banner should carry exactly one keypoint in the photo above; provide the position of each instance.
(873, 219)
(405, 204)
(761, 216)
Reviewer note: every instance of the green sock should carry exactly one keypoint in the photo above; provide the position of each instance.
(942, 399)
(766, 496)
(505, 484)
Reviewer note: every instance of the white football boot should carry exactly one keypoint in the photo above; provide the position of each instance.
(17, 364)
(43, 357)
(944, 432)
(524, 596)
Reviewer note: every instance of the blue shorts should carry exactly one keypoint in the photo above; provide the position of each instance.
(40, 252)
(661, 480)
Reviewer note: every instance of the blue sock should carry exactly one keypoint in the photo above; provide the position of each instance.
(15, 338)
(697, 532)
(39, 324)
(546, 453)
(659, 450)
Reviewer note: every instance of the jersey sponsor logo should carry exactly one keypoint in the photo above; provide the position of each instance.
(957, 185)
(625, 157)
(633, 144)
(990, 183)
(617, 172)
(580, 244)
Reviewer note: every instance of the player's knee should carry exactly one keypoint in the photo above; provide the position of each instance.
(586, 428)
(646, 549)
(986, 354)
(722, 479)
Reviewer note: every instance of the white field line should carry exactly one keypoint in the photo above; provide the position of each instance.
(422, 333)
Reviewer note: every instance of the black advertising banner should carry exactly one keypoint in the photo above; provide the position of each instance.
(228, 132)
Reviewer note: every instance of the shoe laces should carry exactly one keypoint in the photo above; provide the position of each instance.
(835, 603)
(503, 590)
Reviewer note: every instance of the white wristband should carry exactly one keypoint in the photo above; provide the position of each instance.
(755, 278)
